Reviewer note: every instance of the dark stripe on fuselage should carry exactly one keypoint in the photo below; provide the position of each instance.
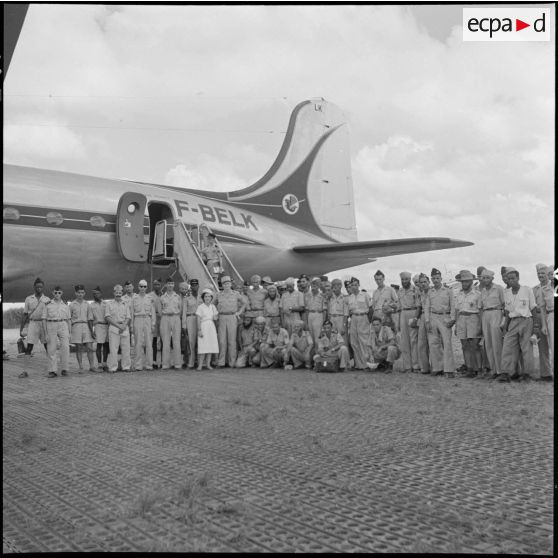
(35, 216)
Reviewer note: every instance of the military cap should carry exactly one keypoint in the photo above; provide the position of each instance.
(271, 286)
(336, 281)
(207, 291)
(327, 322)
(304, 276)
(127, 283)
(97, 288)
(423, 276)
(435, 272)
(353, 279)
(324, 278)
(541, 267)
(405, 275)
(38, 280)
(510, 269)
(169, 279)
(503, 270)
(487, 273)
(416, 277)
(267, 280)
(226, 279)
(194, 282)
(79, 287)
(465, 275)
(316, 280)
(379, 272)
(57, 288)
(480, 270)
(260, 320)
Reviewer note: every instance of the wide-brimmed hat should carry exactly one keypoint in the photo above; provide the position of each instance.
(267, 280)
(465, 275)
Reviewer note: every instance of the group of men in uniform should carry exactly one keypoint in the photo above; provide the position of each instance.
(266, 324)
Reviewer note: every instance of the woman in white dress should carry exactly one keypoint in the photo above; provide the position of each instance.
(207, 333)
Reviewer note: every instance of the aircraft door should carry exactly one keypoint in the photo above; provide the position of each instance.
(130, 227)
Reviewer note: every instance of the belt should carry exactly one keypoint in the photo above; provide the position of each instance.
(316, 311)
(274, 316)
(191, 314)
(78, 323)
(172, 314)
(40, 319)
(226, 313)
(257, 309)
(468, 313)
(336, 315)
(550, 311)
(521, 318)
(492, 308)
(410, 308)
(142, 316)
(440, 313)
(56, 320)
(359, 314)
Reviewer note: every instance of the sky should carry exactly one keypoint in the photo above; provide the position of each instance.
(448, 138)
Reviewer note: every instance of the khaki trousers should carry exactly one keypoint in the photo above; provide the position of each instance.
(58, 331)
(518, 340)
(422, 345)
(315, 321)
(359, 334)
(299, 357)
(192, 330)
(170, 328)
(408, 340)
(493, 339)
(119, 341)
(144, 346)
(440, 344)
(226, 333)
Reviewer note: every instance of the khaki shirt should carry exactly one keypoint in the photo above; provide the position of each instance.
(382, 296)
(247, 336)
(190, 305)
(291, 300)
(212, 253)
(98, 311)
(315, 302)
(271, 307)
(301, 342)
(359, 303)
(468, 302)
(544, 297)
(171, 304)
(228, 302)
(56, 311)
(80, 312)
(439, 301)
(493, 297)
(143, 306)
(521, 303)
(35, 306)
(256, 298)
(378, 340)
(118, 311)
(338, 305)
(332, 343)
(408, 298)
(277, 340)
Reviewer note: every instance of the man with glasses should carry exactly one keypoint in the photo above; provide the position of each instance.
(143, 326)
(56, 320)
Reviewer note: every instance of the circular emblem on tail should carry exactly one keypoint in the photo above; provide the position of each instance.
(290, 204)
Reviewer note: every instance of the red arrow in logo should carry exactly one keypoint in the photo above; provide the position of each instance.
(519, 25)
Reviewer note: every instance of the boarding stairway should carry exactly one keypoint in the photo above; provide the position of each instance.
(177, 242)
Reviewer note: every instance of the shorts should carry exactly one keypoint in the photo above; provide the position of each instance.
(468, 327)
(101, 333)
(36, 332)
(81, 334)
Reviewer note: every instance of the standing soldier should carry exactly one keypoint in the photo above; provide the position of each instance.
(171, 310)
(128, 292)
(408, 306)
(82, 328)
(256, 296)
(519, 302)
(213, 257)
(230, 306)
(100, 327)
(438, 315)
(423, 351)
(33, 313)
(183, 289)
(155, 295)
(468, 325)
(359, 308)
(244, 288)
(56, 319)
(492, 311)
(143, 324)
(299, 350)
(384, 299)
(332, 344)
(190, 322)
(544, 297)
(315, 308)
(272, 303)
(291, 305)
(338, 310)
(117, 315)
(303, 286)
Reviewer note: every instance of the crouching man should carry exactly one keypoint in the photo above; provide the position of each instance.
(274, 347)
(246, 341)
(300, 347)
(332, 344)
(383, 347)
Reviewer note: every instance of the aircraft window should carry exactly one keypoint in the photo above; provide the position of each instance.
(132, 208)
(11, 213)
(97, 221)
(54, 218)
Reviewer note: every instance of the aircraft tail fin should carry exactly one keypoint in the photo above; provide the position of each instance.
(309, 186)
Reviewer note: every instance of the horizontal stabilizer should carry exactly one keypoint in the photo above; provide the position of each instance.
(373, 249)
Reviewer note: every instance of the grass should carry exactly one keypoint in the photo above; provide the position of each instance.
(144, 503)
